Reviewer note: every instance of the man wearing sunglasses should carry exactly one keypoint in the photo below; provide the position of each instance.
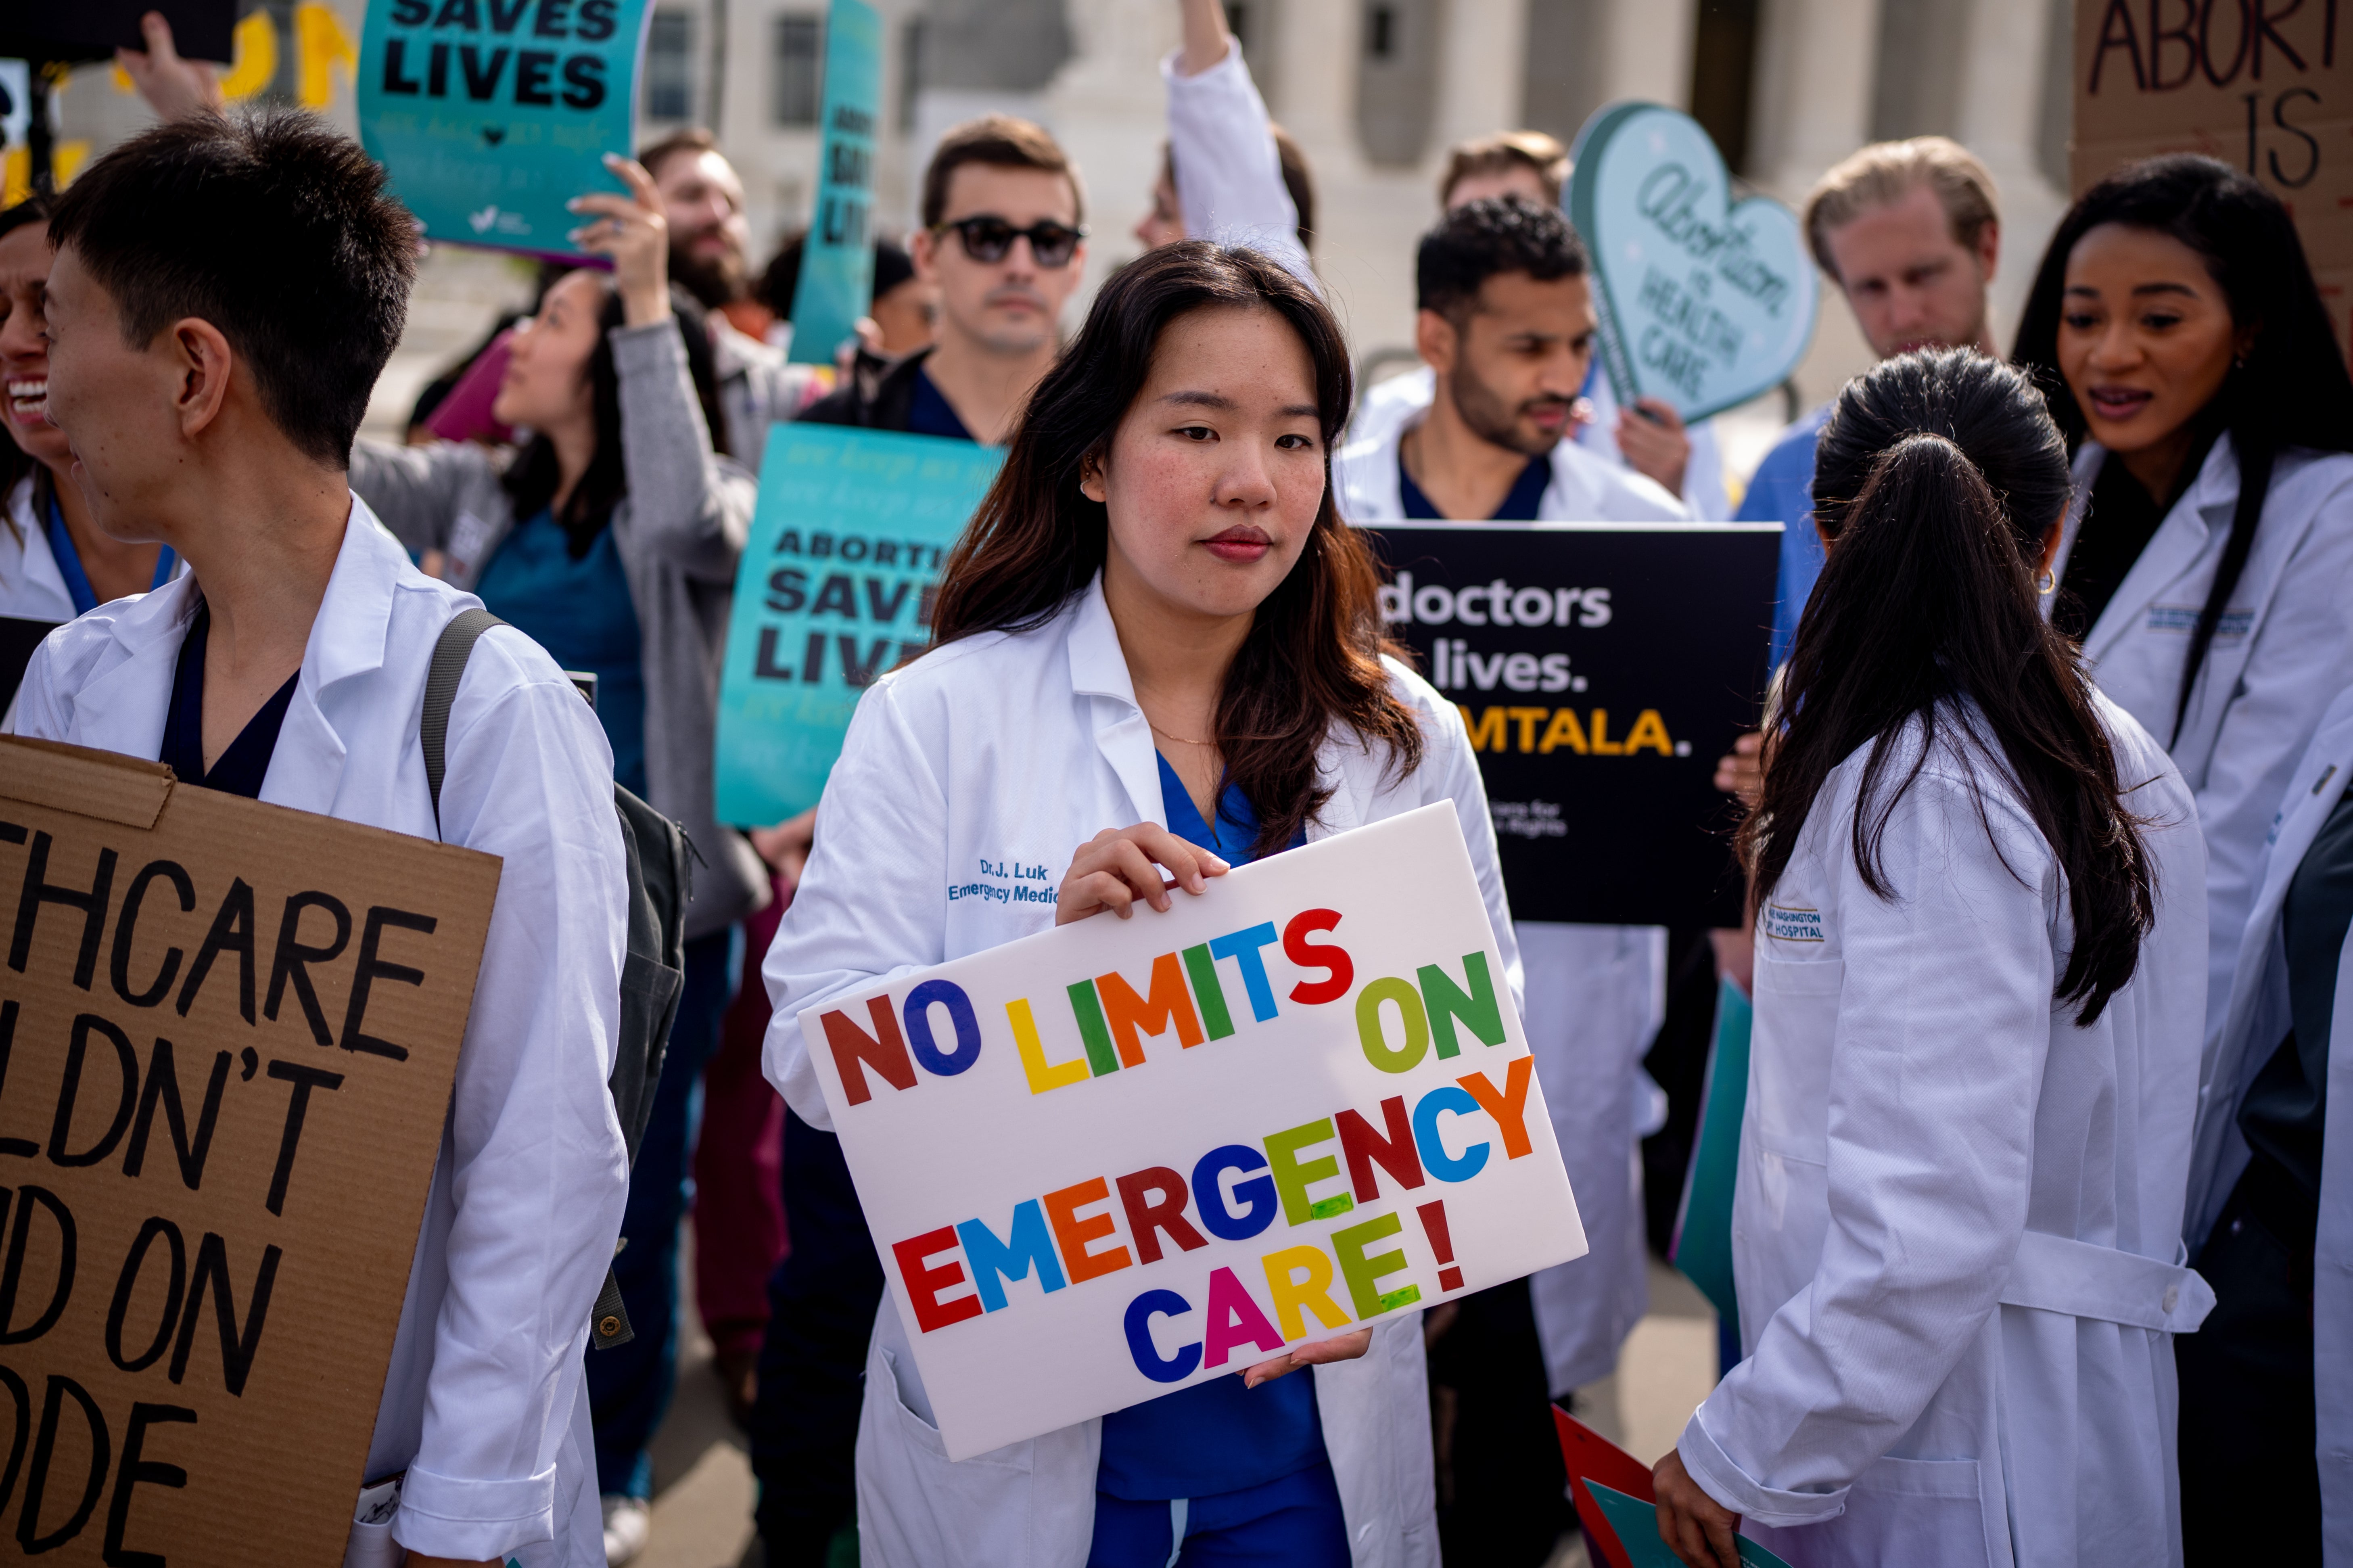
(1002, 241)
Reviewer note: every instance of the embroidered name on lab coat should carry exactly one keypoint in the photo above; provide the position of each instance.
(2230, 626)
(1793, 925)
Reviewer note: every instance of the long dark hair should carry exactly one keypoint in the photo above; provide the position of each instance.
(1313, 657)
(2291, 390)
(532, 479)
(1938, 475)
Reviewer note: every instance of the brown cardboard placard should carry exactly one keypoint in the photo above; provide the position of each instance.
(228, 1034)
(2263, 86)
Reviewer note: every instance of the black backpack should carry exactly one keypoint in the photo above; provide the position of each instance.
(661, 884)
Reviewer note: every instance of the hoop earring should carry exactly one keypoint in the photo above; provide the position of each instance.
(2047, 584)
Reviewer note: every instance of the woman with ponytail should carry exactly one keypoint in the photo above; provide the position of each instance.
(2206, 565)
(1979, 967)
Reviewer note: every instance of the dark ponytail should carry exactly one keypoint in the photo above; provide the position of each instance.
(2290, 391)
(1938, 477)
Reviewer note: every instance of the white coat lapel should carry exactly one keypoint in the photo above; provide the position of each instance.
(347, 641)
(2178, 544)
(123, 706)
(1099, 674)
(1570, 497)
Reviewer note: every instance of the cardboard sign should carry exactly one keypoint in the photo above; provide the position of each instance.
(228, 1033)
(1704, 302)
(1603, 668)
(491, 114)
(836, 280)
(2266, 89)
(834, 588)
(1123, 1157)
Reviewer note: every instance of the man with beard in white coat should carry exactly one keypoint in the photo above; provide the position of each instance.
(1650, 439)
(1506, 321)
(224, 295)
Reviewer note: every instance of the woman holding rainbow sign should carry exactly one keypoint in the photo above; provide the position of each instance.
(1159, 619)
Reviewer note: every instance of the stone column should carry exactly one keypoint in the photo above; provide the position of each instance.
(2002, 66)
(1479, 70)
(1646, 50)
(1815, 64)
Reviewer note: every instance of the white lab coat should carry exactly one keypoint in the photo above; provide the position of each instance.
(1229, 171)
(31, 586)
(1023, 746)
(1596, 994)
(2284, 651)
(2258, 1018)
(485, 1404)
(1956, 1227)
(1391, 404)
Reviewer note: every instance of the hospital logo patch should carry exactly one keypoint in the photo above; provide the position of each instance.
(1793, 925)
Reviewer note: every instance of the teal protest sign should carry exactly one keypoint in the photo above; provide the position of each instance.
(1704, 302)
(835, 588)
(1636, 1522)
(836, 282)
(489, 115)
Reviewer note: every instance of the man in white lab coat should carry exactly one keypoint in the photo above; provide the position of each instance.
(224, 296)
(1506, 322)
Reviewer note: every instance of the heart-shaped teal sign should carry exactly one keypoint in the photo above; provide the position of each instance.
(1704, 302)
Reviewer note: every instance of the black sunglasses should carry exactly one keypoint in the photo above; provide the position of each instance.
(988, 236)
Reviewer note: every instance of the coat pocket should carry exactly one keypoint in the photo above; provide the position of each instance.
(918, 1508)
(1789, 1056)
(1920, 1513)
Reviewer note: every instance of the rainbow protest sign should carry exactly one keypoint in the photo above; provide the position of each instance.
(1121, 1156)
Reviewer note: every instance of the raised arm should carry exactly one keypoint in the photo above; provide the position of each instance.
(416, 492)
(687, 505)
(1228, 173)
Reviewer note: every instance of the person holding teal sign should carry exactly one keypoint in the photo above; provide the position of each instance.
(1976, 1042)
(491, 115)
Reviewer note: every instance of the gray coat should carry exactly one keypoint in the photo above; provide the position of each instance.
(678, 530)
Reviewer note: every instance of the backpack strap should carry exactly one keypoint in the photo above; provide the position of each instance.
(609, 1319)
(451, 653)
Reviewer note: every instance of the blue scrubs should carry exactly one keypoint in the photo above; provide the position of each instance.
(929, 413)
(1783, 492)
(1217, 1474)
(244, 763)
(70, 566)
(581, 612)
(1518, 505)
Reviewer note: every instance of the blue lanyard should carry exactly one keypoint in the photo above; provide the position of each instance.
(78, 589)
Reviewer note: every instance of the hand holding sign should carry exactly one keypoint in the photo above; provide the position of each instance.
(632, 231)
(1704, 302)
(1118, 1158)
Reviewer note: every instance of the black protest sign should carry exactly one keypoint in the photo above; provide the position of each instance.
(1603, 670)
(228, 1034)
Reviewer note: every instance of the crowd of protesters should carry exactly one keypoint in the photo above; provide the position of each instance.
(2047, 830)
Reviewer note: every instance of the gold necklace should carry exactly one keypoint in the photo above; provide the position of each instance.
(1172, 735)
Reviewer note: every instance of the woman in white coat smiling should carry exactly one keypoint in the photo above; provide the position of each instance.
(1979, 978)
(1158, 646)
(2207, 562)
